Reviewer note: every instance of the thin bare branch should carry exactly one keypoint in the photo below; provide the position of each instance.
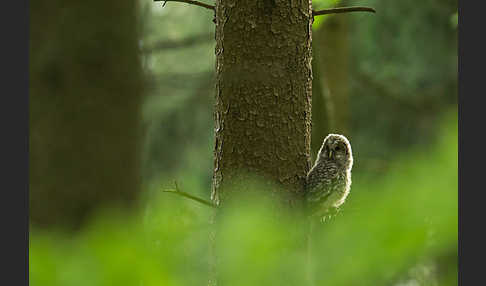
(177, 191)
(342, 10)
(192, 2)
(184, 43)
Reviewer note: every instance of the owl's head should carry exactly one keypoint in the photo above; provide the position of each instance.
(336, 148)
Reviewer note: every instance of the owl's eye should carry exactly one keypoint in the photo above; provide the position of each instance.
(337, 148)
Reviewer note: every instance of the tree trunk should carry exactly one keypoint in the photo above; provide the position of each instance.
(321, 108)
(263, 94)
(85, 97)
(332, 46)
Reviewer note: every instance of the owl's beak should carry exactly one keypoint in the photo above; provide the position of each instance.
(330, 153)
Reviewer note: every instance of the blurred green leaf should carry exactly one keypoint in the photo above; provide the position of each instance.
(454, 20)
(322, 4)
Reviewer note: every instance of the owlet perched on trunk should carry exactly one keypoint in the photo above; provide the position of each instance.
(329, 180)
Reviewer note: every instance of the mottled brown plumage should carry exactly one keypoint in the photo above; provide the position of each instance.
(329, 181)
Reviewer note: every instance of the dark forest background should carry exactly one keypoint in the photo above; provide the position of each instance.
(388, 81)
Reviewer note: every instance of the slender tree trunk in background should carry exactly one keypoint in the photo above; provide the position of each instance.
(263, 93)
(332, 49)
(85, 97)
(321, 109)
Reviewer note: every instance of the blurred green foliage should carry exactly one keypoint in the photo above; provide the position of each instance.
(399, 225)
(319, 5)
(178, 111)
(455, 20)
(408, 220)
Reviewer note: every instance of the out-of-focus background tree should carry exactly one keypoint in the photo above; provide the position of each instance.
(86, 91)
(388, 81)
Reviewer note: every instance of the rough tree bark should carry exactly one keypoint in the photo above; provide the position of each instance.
(85, 96)
(263, 93)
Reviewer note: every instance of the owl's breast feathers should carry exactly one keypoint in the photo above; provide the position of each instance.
(325, 186)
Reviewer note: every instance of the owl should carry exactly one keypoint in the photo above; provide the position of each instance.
(329, 180)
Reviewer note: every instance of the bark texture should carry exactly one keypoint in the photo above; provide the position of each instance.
(263, 93)
(85, 96)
